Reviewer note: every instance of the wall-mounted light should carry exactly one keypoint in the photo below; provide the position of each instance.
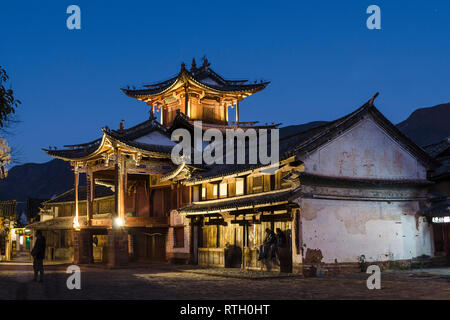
(76, 224)
(118, 222)
(445, 219)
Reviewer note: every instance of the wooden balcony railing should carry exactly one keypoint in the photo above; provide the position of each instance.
(147, 221)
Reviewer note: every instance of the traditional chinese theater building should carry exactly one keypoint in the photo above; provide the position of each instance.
(348, 191)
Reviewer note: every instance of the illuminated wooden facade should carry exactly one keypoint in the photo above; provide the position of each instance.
(216, 215)
(135, 162)
(199, 93)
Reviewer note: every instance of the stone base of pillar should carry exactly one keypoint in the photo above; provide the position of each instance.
(82, 247)
(117, 248)
(297, 268)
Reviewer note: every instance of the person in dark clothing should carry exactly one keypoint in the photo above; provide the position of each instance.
(95, 240)
(38, 254)
(279, 243)
(269, 240)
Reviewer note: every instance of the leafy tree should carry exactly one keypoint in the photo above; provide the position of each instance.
(8, 105)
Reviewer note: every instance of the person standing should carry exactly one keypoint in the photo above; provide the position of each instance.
(279, 243)
(269, 240)
(38, 254)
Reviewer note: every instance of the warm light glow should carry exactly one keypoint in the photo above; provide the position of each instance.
(223, 188)
(239, 186)
(21, 240)
(76, 224)
(118, 222)
(203, 192)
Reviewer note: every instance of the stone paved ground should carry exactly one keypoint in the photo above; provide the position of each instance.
(188, 282)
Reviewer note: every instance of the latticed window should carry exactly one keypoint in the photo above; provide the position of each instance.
(258, 183)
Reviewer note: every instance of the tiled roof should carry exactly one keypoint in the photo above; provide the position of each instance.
(204, 76)
(306, 141)
(443, 170)
(181, 120)
(439, 208)
(125, 136)
(436, 149)
(234, 203)
(69, 196)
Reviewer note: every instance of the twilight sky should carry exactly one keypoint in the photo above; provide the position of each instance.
(320, 57)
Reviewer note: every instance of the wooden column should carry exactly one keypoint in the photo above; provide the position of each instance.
(76, 192)
(125, 184)
(186, 102)
(90, 192)
(116, 185)
(226, 113)
(237, 111)
(121, 186)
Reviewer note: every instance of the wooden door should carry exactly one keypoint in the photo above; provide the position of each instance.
(156, 247)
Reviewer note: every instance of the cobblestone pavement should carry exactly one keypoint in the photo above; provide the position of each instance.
(188, 282)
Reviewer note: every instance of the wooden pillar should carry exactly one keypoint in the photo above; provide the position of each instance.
(225, 106)
(120, 189)
(90, 193)
(237, 111)
(117, 236)
(76, 192)
(120, 181)
(186, 102)
(116, 185)
(124, 191)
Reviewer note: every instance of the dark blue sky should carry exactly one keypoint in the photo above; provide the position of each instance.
(321, 59)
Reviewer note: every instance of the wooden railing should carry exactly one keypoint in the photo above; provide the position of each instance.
(212, 257)
(147, 221)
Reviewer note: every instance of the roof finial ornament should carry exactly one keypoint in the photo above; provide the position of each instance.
(194, 65)
(183, 66)
(373, 98)
(122, 125)
(206, 63)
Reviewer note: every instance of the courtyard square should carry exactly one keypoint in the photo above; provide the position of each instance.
(163, 281)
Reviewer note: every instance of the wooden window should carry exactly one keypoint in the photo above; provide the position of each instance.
(258, 183)
(178, 241)
(203, 192)
(184, 195)
(223, 190)
(239, 186)
(103, 206)
(195, 193)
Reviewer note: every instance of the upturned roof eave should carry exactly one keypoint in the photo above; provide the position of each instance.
(184, 76)
(84, 158)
